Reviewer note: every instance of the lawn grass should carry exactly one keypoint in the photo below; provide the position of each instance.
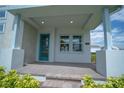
(93, 57)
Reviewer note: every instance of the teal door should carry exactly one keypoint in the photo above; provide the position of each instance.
(44, 47)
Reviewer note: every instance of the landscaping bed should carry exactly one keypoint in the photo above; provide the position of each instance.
(111, 82)
(13, 80)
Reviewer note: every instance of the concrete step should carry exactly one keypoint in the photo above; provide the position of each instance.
(52, 83)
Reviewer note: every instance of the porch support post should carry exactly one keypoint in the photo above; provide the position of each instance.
(17, 58)
(107, 30)
(18, 32)
(102, 56)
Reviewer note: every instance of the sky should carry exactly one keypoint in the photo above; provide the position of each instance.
(117, 28)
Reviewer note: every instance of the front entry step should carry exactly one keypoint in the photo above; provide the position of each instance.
(52, 83)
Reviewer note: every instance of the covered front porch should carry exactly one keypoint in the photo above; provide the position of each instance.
(61, 75)
(68, 29)
(64, 71)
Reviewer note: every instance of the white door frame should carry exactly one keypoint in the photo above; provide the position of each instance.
(38, 43)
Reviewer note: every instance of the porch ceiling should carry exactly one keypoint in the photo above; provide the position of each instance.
(87, 16)
(62, 21)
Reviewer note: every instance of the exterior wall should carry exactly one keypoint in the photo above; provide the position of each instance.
(5, 58)
(110, 62)
(81, 57)
(17, 58)
(56, 56)
(51, 31)
(11, 58)
(6, 37)
(29, 43)
(101, 62)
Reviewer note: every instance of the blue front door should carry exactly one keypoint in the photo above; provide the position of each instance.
(44, 47)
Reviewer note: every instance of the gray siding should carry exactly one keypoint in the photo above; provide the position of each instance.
(29, 43)
(6, 37)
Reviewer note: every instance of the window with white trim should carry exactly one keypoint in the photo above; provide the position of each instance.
(77, 43)
(2, 14)
(2, 26)
(64, 43)
(71, 43)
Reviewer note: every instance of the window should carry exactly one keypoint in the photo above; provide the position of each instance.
(71, 43)
(64, 43)
(2, 25)
(2, 14)
(77, 43)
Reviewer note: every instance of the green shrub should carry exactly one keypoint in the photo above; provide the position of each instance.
(2, 75)
(14, 80)
(88, 82)
(2, 69)
(111, 82)
(27, 82)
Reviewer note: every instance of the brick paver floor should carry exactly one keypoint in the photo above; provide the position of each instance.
(74, 71)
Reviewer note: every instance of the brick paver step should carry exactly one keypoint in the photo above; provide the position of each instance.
(52, 83)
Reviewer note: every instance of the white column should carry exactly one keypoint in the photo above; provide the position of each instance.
(107, 30)
(18, 32)
(14, 29)
(17, 58)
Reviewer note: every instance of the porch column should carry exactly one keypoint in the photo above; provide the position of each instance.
(102, 56)
(17, 59)
(18, 32)
(107, 30)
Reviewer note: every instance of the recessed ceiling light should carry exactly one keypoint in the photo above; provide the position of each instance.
(71, 21)
(42, 22)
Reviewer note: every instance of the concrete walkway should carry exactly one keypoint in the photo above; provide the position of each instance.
(61, 72)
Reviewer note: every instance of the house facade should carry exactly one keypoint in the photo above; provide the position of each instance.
(30, 34)
(49, 39)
